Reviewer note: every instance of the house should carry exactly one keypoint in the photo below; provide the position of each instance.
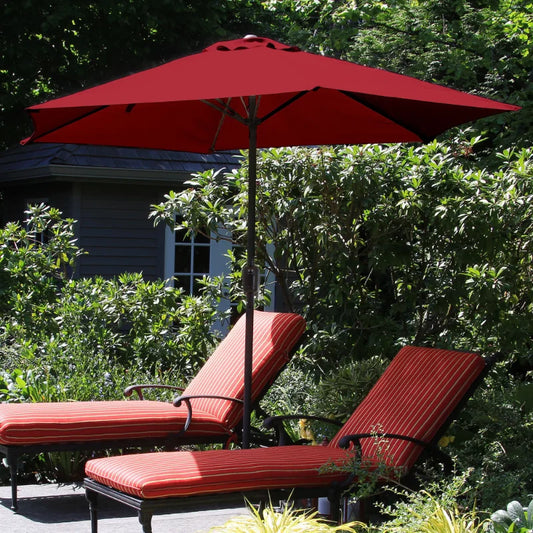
(109, 191)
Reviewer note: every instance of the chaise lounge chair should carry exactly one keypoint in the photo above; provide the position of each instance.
(409, 408)
(209, 410)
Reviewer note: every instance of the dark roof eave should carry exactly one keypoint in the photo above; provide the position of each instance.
(77, 173)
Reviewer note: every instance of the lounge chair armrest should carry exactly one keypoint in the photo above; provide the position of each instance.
(430, 448)
(187, 400)
(345, 441)
(276, 423)
(128, 391)
(177, 401)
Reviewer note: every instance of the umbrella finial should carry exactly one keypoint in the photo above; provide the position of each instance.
(249, 37)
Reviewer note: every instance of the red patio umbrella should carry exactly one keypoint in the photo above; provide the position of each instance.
(256, 92)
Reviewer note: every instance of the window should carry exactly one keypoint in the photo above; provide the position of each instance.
(189, 258)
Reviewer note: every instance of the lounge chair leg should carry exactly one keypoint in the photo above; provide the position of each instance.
(12, 461)
(335, 507)
(92, 498)
(146, 521)
(364, 504)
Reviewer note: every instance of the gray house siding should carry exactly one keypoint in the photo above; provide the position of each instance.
(109, 191)
(116, 232)
(16, 199)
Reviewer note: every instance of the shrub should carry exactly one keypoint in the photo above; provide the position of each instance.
(491, 435)
(86, 338)
(381, 246)
(438, 509)
(287, 521)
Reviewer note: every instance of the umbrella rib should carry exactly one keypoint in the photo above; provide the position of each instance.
(220, 122)
(284, 105)
(360, 100)
(225, 109)
(61, 126)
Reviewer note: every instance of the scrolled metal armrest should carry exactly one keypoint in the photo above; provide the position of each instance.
(430, 447)
(345, 441)
(187, 400)
(128, 391)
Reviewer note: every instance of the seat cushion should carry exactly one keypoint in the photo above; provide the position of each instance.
(41, 423)
(414, 397)
(167, 474)
(275, 335)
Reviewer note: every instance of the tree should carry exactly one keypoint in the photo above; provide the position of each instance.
(480, 46)
(382, 246)
(53, 48)
(50, 48)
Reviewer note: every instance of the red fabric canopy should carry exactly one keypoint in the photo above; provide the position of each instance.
(314, 100)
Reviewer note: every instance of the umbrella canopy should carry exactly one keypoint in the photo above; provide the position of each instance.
(256, 92)
(303, 99)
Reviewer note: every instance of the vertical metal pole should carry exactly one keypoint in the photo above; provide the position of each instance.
(248, 275)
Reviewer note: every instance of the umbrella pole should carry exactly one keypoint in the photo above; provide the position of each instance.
(250, 274)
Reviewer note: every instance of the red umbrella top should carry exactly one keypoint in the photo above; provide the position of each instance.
(303, 99)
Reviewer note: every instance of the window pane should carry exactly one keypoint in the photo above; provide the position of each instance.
(182, 259)
(201, 260)
(198, 237)
(196, 286)
(183, 282)
(180, 236)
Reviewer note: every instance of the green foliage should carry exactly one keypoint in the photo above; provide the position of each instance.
(438, 509)
(85, 339)
(334, 396)
(289, 520)
(35, 259)
(490, 438)
(370, 473)
(340, 392)
(514, 519)
(31, 385)
(439, 519)
(386, 245)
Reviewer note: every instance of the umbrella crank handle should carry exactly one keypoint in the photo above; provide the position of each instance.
(250, 279)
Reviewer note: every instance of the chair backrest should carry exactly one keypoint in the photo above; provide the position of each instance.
(415, 397)
(275, 337)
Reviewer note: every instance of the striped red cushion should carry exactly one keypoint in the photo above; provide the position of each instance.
(36, 423)
(275, 334)
(166, 474)
(414, 397)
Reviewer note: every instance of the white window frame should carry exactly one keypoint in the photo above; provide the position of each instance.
(219, 264)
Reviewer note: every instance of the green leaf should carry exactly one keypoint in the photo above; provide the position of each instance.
(516, 512)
